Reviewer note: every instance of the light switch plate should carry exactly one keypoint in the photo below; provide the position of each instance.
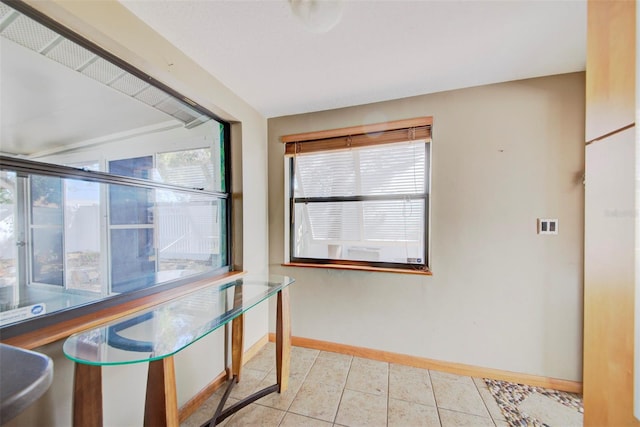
(547, 226)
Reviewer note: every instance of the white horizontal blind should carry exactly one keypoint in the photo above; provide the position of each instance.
(365, 204)
(366, 222)
(385, 169)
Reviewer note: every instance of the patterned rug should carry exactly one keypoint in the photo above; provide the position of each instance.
(509, 396)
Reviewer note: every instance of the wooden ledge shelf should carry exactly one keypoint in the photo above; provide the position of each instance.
(62, 330)
(359, 268)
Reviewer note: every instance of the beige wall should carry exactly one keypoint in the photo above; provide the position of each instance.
(111, 26)
(501, 296)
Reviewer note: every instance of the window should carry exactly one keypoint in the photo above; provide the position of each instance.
(70, 245)
(360, 196)
(131, 196)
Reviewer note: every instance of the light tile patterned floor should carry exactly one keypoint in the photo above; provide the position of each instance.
(330, 389)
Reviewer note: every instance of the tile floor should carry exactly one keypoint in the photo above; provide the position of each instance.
(330, 389)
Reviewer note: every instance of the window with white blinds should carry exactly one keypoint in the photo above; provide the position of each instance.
(363, 205)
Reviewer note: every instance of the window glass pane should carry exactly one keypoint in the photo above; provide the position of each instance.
(132, 259)
(224, 236)
(82, 235)
(8, 237)
(385, 169)
(46, 200)
(139, 167)
(46, 230)
(188, 168)
(133, 263)
(47, 261)
(130, 205)
(379, 231)
(190, 231)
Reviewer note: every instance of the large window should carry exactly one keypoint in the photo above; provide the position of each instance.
(83, 237)
(360, 196)
(112, 185)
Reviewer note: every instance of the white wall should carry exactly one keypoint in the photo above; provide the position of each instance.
(501, 296)
(114, 28)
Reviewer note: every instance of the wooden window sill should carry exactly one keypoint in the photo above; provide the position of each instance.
(58, 331)
(359, 268)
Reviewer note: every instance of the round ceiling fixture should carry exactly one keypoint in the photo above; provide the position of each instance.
(318, 16)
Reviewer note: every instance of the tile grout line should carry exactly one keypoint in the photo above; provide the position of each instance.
(256, 387)
(335, 417)
(286, 411)
(300, 388)
(307, 374)
(433, 391)
(483, 401)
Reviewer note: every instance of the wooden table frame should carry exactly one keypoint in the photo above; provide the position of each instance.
(161, 404)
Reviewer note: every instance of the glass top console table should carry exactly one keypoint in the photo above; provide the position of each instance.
(155, 335)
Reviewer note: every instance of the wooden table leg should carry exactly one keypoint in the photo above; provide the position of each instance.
(283, 340)
(237, 344)
(237, 336)
(161, 403)
(87, 396)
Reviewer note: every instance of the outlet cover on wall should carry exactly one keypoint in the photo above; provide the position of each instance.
(547, 226)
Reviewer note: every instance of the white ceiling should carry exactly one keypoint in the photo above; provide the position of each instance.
(379, 50)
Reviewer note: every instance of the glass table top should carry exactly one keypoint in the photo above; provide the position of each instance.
(165, 329)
